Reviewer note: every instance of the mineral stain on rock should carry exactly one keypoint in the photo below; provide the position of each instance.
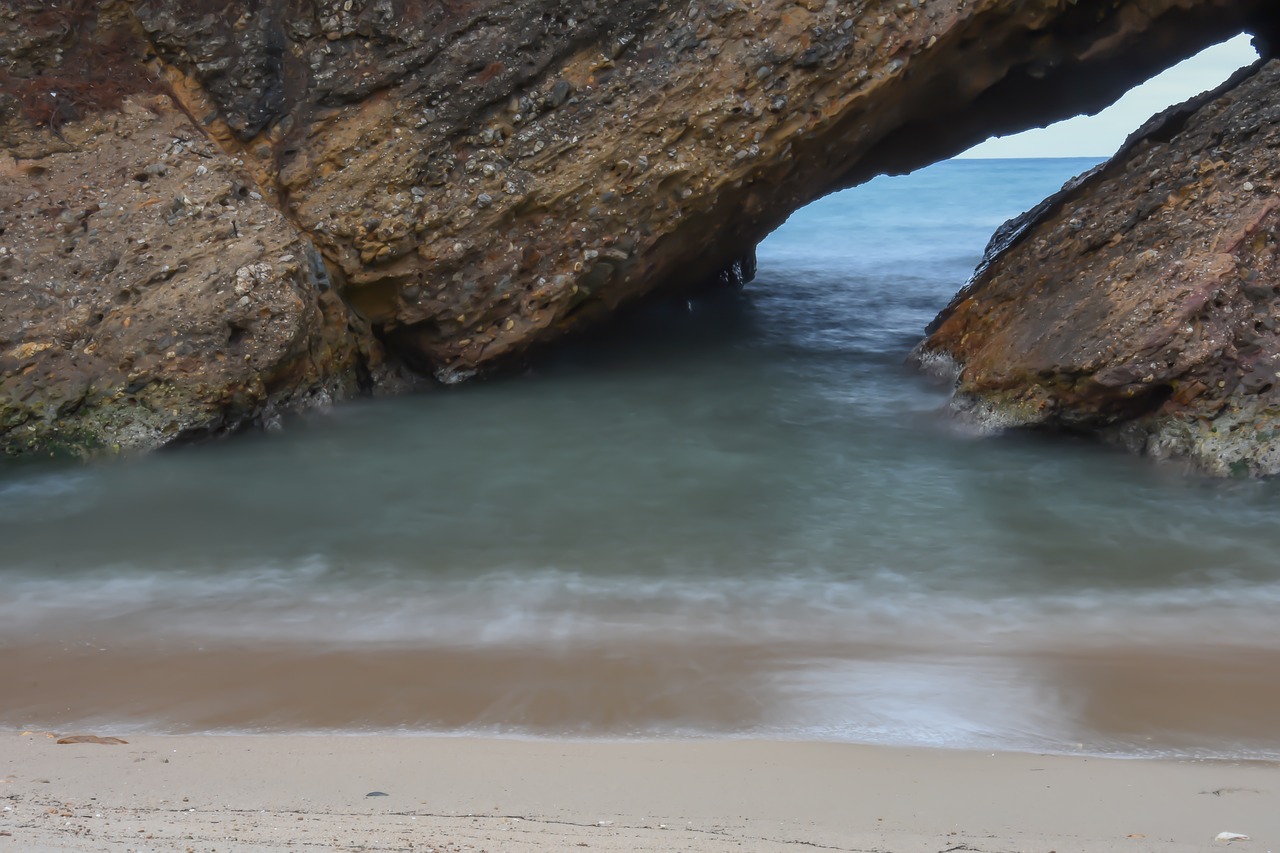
(280, 203)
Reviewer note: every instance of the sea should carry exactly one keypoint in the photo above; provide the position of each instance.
(741, 515)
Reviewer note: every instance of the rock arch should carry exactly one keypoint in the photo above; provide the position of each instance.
(482, 176)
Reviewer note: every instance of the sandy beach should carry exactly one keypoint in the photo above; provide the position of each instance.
(243, 793)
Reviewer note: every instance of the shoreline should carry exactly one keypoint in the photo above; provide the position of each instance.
(1173, 702)
(252, 793)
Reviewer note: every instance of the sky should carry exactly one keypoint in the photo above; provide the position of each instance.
(1101, 135)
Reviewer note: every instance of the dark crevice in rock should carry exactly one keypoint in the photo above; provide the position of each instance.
(740, 272)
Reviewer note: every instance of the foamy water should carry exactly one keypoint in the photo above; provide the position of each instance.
(740, 516)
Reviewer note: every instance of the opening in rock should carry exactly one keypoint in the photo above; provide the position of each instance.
(862, 272)
(1102, 134)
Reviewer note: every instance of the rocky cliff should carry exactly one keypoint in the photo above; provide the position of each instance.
(449, 184)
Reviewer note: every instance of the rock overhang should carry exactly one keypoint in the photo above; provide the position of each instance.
(486, 176)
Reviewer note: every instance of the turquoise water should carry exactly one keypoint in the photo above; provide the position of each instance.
(748, 495)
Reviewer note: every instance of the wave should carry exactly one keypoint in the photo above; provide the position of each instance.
(317, 602)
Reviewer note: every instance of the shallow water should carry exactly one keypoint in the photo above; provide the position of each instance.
(739, 516)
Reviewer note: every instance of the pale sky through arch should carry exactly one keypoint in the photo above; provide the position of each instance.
(1101, 135)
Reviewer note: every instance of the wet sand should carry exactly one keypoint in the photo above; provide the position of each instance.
(239, 794)
(1206, 702)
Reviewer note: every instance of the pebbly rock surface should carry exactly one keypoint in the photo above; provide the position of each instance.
(1142, 303)
(477, 177)
(148, 293)
(167, 302)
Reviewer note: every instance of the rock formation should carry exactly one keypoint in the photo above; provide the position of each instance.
(149, 293)
(476, 177)
(1142, 302)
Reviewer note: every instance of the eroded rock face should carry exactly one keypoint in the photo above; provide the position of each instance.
(487, 174)
(479, 176)
(1143, 302)
(148, 294)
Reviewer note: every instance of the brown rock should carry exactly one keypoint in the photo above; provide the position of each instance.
(1141, 303)
(106, 741)
(148, 294)
(435, 155)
